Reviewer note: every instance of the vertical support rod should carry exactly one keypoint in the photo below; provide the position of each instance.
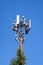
(21, 39)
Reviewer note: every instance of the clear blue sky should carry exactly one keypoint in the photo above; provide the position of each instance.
(33, 45)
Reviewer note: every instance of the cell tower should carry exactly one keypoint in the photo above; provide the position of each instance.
(18, 26)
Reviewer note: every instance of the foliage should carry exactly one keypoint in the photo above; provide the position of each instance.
(19, 59)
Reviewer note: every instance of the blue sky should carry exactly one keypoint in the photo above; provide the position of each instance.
(33, 45)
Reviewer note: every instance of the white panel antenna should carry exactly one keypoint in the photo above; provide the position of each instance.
(30, 23)
(17, 19)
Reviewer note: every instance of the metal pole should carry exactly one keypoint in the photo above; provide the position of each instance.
(21, 39)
